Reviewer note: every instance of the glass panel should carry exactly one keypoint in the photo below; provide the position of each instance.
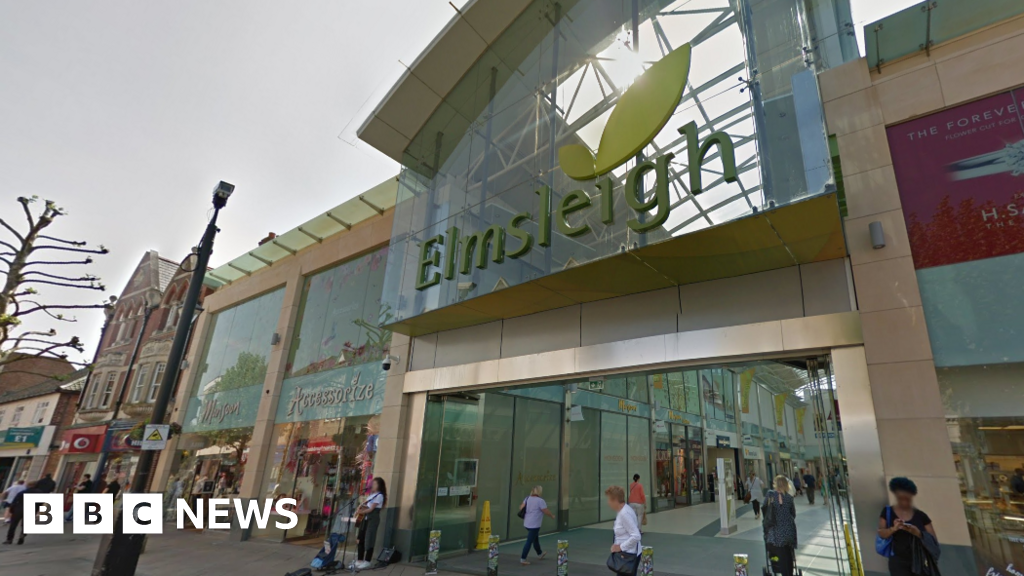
(553, 77)
(614, 459)
(233, 365)
(495, 446)
(586, 496)
(535, 459)
(639, 430)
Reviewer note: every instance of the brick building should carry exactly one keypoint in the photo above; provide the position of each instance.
(128, 368)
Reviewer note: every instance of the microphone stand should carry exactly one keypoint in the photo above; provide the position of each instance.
(349, 506)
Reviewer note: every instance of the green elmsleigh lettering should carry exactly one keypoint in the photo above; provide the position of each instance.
(452, 254)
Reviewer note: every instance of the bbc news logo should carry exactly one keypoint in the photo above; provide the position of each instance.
(144, 513)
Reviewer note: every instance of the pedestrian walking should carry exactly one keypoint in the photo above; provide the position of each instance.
(113, 487)
(638, 500)
(809, 483)
(625, 558)
(370, 513)
(45, 485)
(532, 511)
(9, 495)
(780, 528)
(798, 485)
(755, 487)
(910, 540)
(18, 514)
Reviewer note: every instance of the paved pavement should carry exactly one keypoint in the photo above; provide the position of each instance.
(174, 553)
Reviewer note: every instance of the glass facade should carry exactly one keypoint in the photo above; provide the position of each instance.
(211, 456)
(494, 446)
(958, 173)
(328, 416)
(552, 79)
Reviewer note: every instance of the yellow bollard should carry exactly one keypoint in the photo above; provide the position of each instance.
(483, 535)
(852, 553)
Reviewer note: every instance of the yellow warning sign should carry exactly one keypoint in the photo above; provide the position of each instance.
(155, 436)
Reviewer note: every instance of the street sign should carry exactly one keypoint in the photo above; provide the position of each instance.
(155, 436)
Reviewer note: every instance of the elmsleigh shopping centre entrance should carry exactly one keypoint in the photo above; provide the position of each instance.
(611, 258)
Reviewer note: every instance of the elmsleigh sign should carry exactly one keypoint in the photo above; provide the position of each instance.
(640, 114)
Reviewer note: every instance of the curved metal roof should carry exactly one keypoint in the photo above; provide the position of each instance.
(436, 72)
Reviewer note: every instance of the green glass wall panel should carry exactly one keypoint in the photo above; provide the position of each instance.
(585, 492)
(536, 458)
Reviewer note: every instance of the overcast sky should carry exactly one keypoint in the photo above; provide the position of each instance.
(128, 113)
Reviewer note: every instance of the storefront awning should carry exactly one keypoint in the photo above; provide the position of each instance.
(799, 233)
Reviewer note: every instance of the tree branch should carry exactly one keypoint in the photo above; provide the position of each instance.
(83, 287)
(12, 230)
(100, 250)
(58, 307)
(57, 262)
(63, 241)
(86, 278)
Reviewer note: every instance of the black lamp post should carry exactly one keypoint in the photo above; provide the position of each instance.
(119, 553)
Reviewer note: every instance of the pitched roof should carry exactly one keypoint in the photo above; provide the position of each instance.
(167, 270)
(68, 383)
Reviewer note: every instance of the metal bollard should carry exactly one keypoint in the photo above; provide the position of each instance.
(740, 561)
(563, 558)
(646, 561)
(492, 555)
(432, 550)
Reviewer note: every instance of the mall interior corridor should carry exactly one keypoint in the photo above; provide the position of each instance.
(686, 542)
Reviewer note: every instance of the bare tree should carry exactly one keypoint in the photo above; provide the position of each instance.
(30, 259)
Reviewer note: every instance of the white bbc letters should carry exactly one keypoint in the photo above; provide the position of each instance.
(44, 514)
(142, 513)
(219, 508)
(92, 513)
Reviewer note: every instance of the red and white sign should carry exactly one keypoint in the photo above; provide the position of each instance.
(78, 443)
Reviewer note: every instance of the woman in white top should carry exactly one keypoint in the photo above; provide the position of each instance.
(626, 528)
(755, 487)
(535, 509)
(370, 512)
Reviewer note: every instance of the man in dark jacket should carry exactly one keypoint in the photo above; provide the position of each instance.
(45, 485)
(809, 485)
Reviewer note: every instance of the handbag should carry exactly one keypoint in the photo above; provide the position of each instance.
(746, 498)
(884, 545)
(623, 563)
(522, 511)
(768, 512)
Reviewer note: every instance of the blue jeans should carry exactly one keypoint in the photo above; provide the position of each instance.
(532, 537)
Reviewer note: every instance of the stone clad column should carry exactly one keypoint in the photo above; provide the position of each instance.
(909, 418)
(392, 441)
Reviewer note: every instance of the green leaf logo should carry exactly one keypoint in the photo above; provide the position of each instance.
(641, 112)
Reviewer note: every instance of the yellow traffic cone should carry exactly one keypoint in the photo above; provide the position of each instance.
(484, 534)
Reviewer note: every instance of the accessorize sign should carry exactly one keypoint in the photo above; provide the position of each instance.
(961, 180)
(350, 391)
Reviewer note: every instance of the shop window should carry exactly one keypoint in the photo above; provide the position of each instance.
(322, 464)
(340, 317)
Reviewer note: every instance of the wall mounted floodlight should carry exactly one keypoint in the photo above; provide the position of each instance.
(877, 235)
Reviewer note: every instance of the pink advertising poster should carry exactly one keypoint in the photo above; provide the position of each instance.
(961, 179)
